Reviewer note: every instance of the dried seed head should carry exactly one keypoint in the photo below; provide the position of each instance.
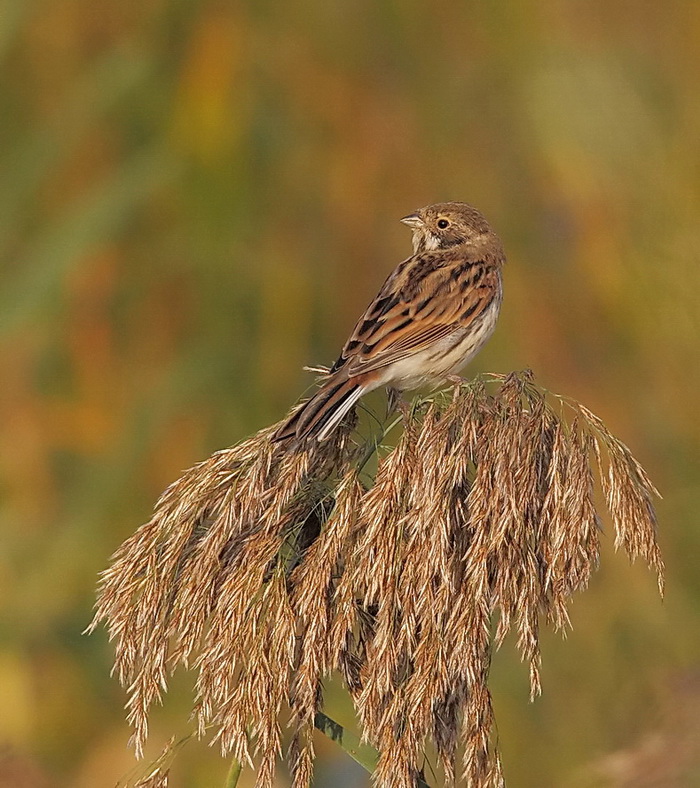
(266, 568)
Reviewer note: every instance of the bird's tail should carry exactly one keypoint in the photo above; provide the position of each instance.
(321, 414)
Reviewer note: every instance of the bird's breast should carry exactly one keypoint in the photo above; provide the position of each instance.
(445, 356)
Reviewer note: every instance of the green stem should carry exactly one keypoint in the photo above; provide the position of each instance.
(374, 444)
(361, 753)
(233, 774)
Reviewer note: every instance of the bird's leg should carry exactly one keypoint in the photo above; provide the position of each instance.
(397, 402)
(392, 399)
(457, 381)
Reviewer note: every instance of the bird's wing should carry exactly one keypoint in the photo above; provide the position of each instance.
(424, 300)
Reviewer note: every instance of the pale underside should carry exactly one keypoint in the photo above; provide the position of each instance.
(430, 366)
(443, 358)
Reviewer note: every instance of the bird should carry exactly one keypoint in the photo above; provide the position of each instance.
(431, 316)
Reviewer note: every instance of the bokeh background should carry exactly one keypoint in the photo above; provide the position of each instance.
(198, 198)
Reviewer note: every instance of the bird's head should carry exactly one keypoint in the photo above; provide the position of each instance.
(445, 224)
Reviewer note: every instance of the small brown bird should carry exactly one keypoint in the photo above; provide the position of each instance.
(432, 315)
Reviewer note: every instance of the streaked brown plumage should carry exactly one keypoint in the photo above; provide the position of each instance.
(432, 316)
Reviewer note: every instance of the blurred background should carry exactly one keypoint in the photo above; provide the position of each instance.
(198, 198)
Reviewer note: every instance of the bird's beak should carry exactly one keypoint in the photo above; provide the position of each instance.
(413, 220)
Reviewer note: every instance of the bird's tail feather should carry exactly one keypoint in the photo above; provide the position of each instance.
(321, 414)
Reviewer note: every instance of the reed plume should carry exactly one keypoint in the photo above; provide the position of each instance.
(269, 566)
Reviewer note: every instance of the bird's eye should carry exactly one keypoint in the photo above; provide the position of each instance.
(443, 223)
